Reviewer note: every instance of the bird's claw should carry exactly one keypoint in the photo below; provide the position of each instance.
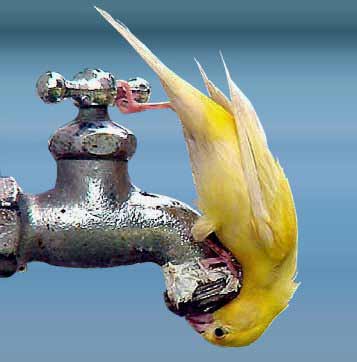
(127, 102)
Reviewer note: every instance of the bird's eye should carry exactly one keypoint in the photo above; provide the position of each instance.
(220, 333)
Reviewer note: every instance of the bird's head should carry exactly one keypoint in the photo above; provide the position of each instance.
(245, 318)
(240, 322)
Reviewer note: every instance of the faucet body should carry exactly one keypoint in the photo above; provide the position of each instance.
(95, 218)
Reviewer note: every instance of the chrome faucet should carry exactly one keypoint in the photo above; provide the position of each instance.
(94, 217)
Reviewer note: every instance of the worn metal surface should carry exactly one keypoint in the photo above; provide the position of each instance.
(9, 226)
(92, 135)
(204, 290)
(9, 192)
(95, 218)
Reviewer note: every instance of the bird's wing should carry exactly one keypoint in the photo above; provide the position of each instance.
(269, 190)
(215, 93)
(255, 193)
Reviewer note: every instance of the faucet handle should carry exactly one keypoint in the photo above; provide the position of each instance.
(90, 87)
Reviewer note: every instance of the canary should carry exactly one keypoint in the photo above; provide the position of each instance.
(244, 197)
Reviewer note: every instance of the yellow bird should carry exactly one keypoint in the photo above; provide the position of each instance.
(244, 197)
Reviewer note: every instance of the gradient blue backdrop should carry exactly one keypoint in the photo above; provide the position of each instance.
(298, 67)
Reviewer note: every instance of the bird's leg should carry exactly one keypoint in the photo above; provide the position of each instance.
(223, 257)
(126, 102)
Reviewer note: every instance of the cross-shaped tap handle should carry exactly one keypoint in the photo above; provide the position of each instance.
(91, 87)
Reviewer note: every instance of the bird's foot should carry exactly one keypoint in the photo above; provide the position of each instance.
(224, 257)
(127, 103)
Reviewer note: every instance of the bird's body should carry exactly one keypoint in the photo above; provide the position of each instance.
(264, 239)
(243, 195)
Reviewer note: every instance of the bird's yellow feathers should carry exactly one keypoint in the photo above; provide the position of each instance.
(242, 192)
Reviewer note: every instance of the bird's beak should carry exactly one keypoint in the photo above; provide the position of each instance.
(200, 322)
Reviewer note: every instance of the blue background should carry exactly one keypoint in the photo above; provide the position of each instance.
(296, 61)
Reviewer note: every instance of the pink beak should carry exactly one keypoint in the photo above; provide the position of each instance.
(200, 322)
